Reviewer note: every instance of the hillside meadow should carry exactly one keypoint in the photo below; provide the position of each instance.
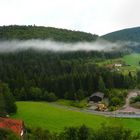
(56, 118)
(132, 59)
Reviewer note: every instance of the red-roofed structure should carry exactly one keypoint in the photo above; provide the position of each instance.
(17, 126)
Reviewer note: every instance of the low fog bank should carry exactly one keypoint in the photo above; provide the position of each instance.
(99, 45)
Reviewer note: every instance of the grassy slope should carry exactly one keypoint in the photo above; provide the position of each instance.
(132, 59)
(55, 118)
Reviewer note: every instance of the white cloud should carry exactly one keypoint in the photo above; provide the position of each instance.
(96, 16)
(45, 45)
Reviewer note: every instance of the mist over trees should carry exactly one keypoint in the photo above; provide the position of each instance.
(46, 75)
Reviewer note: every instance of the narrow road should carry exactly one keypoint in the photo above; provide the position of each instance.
(106, 113)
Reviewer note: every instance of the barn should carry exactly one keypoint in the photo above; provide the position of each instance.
(96, 97)
(17, 126)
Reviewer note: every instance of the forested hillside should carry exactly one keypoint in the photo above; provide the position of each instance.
(38, 75)
(40, 32)
(131, 35)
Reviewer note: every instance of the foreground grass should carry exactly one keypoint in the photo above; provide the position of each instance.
(70, 103)
(55, 118)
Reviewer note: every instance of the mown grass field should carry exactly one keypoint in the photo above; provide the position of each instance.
(70, 103)
(55, 118)
(132, 59)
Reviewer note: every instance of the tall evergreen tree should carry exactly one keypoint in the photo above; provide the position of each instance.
(7, 99)
(2, 105)
(101, 85)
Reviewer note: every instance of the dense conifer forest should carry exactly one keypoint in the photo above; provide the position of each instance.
(34, 75)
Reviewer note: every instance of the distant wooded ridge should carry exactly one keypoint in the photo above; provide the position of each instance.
(130, 34)
(40, 32)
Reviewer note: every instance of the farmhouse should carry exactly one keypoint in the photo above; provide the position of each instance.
(96, 97)
(17, 126)
(118, 65)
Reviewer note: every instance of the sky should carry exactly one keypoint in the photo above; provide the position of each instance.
(94, 16)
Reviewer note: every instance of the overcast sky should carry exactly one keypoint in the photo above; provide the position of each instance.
(95, 16)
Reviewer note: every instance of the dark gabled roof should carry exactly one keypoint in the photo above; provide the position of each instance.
(12, 124)
(99, 94)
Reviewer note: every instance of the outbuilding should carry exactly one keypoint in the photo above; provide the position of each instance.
(118, 65)
(96, 97)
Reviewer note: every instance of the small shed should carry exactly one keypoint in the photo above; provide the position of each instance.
(96, 97)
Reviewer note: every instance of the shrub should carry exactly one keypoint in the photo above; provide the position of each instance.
(50, 97)
(115, 101)
(7, 135)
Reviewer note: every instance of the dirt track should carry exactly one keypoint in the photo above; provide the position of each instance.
(127, 108)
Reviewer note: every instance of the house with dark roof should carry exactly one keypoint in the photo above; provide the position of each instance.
(96, 97)
(17, 126)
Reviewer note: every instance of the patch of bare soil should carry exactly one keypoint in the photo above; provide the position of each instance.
(127, 108)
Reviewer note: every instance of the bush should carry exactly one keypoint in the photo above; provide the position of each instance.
(50, 97)
(135, 99)
(117, 97)
(112, 108)
(7, 135)
(39, 134)
(115, 102)
(112, 133)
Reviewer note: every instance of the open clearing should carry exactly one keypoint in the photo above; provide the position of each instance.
(55, 118)
(132, 59)
(131, 62)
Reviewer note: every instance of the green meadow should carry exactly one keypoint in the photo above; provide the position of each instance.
(132, 59)
(56, 118)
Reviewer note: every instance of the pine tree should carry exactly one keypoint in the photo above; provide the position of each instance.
(101, 85)
(2, 105)
(10, 105)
